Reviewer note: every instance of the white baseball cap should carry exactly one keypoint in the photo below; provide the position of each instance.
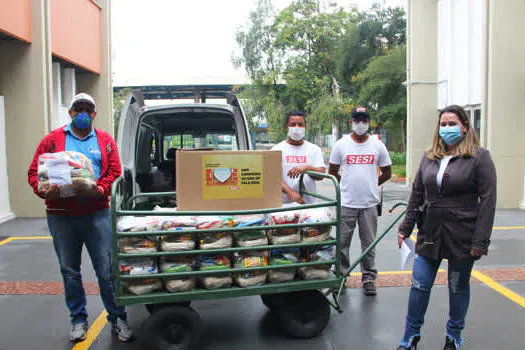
(82, 97)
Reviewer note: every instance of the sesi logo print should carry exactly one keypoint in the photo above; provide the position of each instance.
(296, 159)
(360, 159)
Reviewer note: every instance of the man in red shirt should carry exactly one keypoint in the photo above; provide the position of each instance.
(85, 218)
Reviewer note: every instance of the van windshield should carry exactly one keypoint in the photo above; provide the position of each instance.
(218, 141)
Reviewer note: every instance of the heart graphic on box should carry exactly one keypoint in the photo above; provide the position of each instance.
(222, 174)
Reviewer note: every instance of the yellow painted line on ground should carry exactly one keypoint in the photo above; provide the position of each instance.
(5, 241)
(93, 332)
(30, 238)
(503, 228)
(518, 299)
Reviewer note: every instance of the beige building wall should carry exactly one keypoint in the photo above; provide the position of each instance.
(505, 103)
(99, 86)
(24, 83)
(502, 65)
(421, 80)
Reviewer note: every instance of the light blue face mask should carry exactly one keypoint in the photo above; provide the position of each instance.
(451, 135)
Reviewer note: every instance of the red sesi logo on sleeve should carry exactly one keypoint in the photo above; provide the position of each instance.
(360, 159)
(296, 159)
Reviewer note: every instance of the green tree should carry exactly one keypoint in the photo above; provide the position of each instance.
(381, 89)
(119, 97)
(377, 31)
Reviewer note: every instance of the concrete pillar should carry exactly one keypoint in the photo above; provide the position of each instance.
(25, 83)
(422, 66)
(505, 98)
(100, 86)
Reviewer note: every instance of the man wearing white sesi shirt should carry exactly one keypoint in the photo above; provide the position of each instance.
(358, 155)
(298, 156)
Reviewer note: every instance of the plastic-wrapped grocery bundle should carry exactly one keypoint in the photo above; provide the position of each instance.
(315, 233)
(313, 254)
(213, 240)
(138, 266)
(283, 257)
(133, 245)
(137, 223)
(249, 238)
(72, 171)
(283, 235)
(174, 265)
(247, 260)
(179, 241)
(212, 263)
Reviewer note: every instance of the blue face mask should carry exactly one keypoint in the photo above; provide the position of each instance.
(450, 134)
(82, 121)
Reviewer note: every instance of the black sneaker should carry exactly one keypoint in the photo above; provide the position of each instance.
(369, 288)
(449, 344)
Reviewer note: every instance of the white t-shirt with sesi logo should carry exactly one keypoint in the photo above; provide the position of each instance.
(292, 156)
(359, 170)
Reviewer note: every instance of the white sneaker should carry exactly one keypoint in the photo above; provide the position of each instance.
(122, 330)
(77, 332)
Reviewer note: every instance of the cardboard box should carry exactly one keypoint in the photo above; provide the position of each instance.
(228, 180)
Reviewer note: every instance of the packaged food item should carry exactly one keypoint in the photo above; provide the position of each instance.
(213, 240)
(72, 171)
(177, 242)
(139, 266)
(283, 235)
(283, 257)
(247, 260)
(323, 253)
(133, 245)
(211, 263)
(315, 233)
(246, 220)
(251, 238)
(248, 238)
(174, 265)
(137, 223)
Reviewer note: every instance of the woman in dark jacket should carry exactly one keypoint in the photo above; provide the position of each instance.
(453, 202)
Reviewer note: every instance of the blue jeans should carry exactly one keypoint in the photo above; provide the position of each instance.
(69, 234)
(423, 276)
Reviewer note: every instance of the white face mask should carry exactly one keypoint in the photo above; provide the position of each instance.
(296, 134)
(360, 128)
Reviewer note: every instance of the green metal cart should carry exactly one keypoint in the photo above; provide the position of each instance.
(303, 306)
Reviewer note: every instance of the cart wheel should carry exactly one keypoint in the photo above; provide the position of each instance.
(156, 307)
(173, 328)
(272, 301)
(305, 314)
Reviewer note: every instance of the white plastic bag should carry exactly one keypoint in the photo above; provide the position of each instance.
(283, 235)
(283, 257)
(315, 233)
(72, 171)
(212, 263)
(174, 265)
(139, 266)
(247, 260)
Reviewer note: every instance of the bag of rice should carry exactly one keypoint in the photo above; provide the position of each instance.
(139, 266)
(175, 265)
(212, 263)
(283, 257)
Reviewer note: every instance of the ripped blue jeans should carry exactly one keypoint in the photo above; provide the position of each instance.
(70, 234)
(423, 276)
